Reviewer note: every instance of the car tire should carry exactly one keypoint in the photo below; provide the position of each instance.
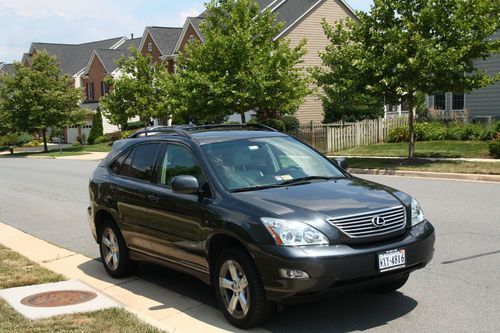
(114, 251)
(231, 291)
(392, 286)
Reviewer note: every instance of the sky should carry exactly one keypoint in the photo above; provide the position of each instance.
(79, 21)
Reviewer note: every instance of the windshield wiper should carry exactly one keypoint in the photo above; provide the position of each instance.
(307, 179)
(256, 188)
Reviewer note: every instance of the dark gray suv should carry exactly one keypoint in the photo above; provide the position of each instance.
(257, 214)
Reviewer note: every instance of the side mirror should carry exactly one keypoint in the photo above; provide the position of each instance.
(342, 162)
(185, 185)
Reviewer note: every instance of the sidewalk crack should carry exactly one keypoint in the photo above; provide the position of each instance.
(58, 258)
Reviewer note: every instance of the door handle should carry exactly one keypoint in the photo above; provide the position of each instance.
(153, 198)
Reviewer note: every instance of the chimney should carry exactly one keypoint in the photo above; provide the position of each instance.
(131, 36)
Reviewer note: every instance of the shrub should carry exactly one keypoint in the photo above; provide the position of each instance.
(496, 127)
(101, 139)
(7, 140)
(399, 134)
(494, 148)
(81, 139)
(23, 138)
(291, 123)
(134, 125)
(33, 143)
(126, 134)
(277, 124)
(97, 129)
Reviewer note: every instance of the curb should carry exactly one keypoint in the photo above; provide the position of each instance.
(424, 174)
(156, 305)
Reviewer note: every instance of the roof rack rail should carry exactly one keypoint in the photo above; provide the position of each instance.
(160, 130)
(229, 126)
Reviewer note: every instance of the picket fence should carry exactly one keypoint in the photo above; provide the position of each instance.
(334, 137)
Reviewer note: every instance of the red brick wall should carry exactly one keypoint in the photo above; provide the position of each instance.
(190, 31)
(155, 53)
(96, 75)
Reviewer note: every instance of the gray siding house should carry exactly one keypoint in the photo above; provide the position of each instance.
(481, 103)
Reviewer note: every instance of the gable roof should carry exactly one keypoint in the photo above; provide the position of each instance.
(109, 57)
(165, 38)
(72, 58)
(190, 21)
(7, 68)
(290, 12)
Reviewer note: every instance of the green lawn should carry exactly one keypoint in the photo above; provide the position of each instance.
(70, 151)
(492, 168)
(16, 270)
(471, 149)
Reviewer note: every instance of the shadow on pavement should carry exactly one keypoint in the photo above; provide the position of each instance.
(340, 313)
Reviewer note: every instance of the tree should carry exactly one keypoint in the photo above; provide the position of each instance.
(239, 67)
(40, 97)
(140, 90)
(97, 129)
(401, 48)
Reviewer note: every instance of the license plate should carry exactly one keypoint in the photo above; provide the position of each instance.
(392, 259)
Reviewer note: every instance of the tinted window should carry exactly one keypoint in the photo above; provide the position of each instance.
(117, 163)
(179, 161)
(140, 162)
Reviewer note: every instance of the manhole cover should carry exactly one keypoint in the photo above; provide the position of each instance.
(58, 298)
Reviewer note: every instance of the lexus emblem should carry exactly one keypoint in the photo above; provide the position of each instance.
(378, 221)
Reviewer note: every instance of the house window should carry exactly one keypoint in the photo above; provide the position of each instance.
(191, 38)
(405, 105)
(458, 101)
(104, 88)
(440, 101)
(150, 47)
(90, 91)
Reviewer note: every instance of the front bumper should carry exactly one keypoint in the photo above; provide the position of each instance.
(338, 268)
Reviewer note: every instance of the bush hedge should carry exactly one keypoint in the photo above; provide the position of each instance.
(438, 131)
(494, 148)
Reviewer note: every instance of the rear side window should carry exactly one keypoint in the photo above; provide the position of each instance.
(117, 163)
(140, 163)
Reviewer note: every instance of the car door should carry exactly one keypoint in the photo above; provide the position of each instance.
(131, 193)
(178, 219)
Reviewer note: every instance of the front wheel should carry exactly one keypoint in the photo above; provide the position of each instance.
(392, 286)
(239, 290)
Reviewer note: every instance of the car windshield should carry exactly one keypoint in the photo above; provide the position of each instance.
(259, 163)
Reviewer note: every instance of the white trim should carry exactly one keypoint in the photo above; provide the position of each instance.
(308, 12)
(181, 37)
(275, 7)
(143, 39)
(119, 43)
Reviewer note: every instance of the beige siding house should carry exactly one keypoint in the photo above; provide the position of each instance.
(310, 27)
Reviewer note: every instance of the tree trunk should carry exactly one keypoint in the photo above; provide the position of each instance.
(243, 117)
(45, 148)
(411, 146)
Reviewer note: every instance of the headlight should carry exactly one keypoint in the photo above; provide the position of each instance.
(293, 233)
(417, 214)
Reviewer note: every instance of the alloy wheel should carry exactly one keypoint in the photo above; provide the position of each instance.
(111, 249)
(234, 289)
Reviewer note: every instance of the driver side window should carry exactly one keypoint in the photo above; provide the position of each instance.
(179, 161)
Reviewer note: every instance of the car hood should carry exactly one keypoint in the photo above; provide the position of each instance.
(321, 198)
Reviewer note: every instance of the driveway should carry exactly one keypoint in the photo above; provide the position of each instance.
(458, 292)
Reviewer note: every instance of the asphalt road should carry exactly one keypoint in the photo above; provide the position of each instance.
(458, 292)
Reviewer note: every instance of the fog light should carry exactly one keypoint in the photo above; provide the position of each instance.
(294, 274)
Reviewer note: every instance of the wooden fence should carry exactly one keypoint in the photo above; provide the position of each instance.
(335, 137)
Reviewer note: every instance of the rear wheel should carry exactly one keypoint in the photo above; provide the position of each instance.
(239, 290)
(392, 286)
(114, 251)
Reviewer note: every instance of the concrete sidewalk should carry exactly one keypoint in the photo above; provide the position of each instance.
(157, 306)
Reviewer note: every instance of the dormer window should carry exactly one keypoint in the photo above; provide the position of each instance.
(150, 47)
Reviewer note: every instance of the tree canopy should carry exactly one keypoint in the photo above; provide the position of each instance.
(239, 67)
(403, 47)
(40, 97)
(140, 90)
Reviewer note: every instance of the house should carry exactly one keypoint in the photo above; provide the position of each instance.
(6, 68)
(103, 63)
(480, 104)
(73, 60)
(159, 42)
(302, 19)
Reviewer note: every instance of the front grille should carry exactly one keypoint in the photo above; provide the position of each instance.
(362, 225)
